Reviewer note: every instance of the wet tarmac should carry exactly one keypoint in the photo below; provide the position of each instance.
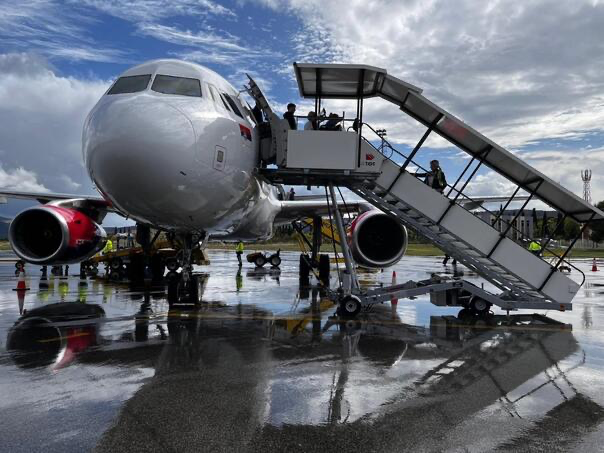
(264, 365)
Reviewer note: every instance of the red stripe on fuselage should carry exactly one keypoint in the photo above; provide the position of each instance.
(245, 132)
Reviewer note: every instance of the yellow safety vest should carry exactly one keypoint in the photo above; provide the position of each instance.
(108, 246)
(534, 246)
(239, 248)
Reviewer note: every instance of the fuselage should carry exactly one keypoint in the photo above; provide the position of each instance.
(172, 145)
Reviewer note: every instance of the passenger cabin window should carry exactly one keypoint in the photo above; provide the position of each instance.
(130, 84)
(233, 105)
(181, 86)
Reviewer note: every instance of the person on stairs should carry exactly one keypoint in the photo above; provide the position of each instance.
(435, 178)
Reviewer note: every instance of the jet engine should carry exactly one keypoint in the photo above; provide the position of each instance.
(377, 240)
(55, 235)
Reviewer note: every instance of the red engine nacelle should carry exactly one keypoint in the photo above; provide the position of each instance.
(377, 240)
(55, 235)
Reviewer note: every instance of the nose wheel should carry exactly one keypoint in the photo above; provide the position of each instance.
(184, 287)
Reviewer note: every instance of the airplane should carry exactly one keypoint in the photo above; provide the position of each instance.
(173, 146)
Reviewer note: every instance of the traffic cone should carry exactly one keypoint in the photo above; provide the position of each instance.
(21, 282)
(393, 300)
(594, 266)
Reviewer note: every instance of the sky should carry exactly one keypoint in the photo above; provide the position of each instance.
(526, 74)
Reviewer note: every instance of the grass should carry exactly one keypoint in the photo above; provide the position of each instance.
(580, 253)
(412, 250)
(4, 245)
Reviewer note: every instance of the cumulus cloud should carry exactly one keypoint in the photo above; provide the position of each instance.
(41, 119)
(20, 179)
(520, 72)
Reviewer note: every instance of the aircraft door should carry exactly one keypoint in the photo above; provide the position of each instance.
(219, 158)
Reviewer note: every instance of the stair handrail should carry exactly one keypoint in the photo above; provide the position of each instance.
(510, 226)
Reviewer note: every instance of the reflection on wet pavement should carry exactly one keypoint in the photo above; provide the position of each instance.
(263, 364)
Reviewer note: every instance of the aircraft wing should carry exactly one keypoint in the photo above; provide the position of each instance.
(296, 209)
(45, 197)
(85, 203)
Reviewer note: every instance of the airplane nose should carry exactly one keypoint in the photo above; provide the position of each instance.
(138, 151)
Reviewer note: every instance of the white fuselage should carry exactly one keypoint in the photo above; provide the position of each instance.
(179, 162)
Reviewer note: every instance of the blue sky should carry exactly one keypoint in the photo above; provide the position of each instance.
(527, 75)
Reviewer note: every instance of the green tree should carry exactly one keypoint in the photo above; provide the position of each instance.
(571, 229)
(597, 228)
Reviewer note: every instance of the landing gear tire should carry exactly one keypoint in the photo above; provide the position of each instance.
(173, 287)
(479, 306)
(324, 269)
(181, 292)
(136, 269)
(158, 268)
(115, 264)
(260, 261)
(350, 306)
(194, 290)
(304, 268)
(172, 264)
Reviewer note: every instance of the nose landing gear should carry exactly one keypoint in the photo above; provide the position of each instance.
(185, 287)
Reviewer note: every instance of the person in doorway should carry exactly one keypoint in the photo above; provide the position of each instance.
(435, 178)
(292, 194)
(535, 248)
(311, 124)
(239, 252)
(289, 116)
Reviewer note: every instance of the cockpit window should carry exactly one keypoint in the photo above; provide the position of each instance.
(181, 86)
(233, 105)
(130, 84)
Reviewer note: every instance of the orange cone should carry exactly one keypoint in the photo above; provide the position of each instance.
(21, 283)
(594, 266)
(393, 300)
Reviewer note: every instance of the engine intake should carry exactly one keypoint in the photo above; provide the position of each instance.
(377, 240)
(55, 235)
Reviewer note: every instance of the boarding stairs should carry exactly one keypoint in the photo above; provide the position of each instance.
(347, 159)
(467, 238)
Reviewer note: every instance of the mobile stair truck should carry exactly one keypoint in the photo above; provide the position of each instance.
(381, 175)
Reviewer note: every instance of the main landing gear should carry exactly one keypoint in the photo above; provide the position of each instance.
(184, 286)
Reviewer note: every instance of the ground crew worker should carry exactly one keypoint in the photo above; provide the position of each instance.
(535, 248)
(435, 178)
(108, 247)
(239, 252)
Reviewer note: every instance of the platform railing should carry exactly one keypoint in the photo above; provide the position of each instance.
(461, 198)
